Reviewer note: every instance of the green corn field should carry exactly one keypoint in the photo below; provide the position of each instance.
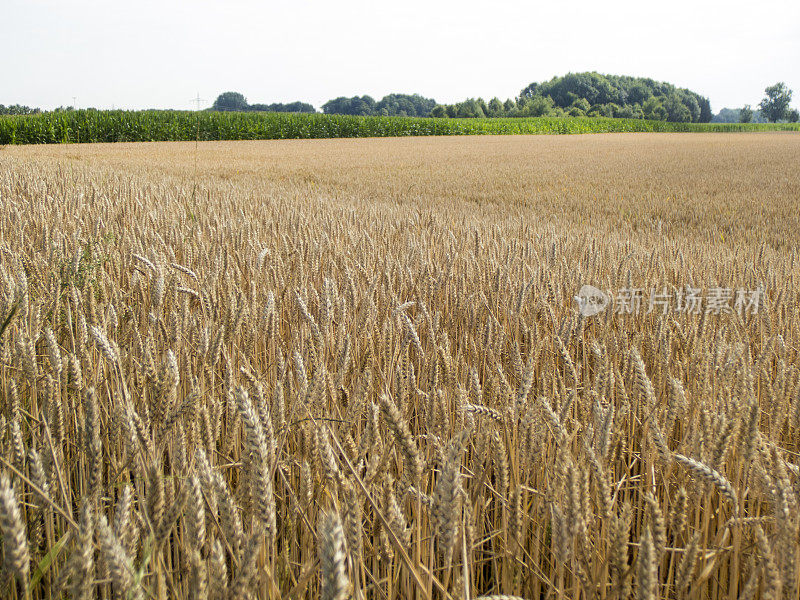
(169, 125)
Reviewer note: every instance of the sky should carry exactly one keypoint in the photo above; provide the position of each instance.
(148, 54)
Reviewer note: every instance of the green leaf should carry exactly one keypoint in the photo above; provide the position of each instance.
(47, 560)
(9, 318)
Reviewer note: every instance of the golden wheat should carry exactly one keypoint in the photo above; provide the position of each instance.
(356, 368)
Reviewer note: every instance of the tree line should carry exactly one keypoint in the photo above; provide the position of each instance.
(589, 94)
(18, 109)
(773, 108)
(393, 105)
(236, 102)
(575, 94)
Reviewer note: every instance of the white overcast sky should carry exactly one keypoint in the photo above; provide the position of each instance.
(148, 54)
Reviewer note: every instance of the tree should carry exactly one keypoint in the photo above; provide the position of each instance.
(776, 102)
(631, 111)
(411, 105)
(653, 109)
(793, 116)
(579, 107)
(690, 101)
(529, 91)
(539, 106)
(470, 109)
(705, 110)
(496, 108)
(362, 106)
(638, 93)
(746, 114)
(677, 112)
(230, 101)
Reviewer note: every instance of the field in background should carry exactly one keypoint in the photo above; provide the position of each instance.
(166, 125)
(314, 369)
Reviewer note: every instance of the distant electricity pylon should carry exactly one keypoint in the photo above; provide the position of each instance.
(198, 100)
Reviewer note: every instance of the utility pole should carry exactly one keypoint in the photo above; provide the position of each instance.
(198, 100)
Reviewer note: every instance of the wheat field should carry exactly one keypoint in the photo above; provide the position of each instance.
(357, 369)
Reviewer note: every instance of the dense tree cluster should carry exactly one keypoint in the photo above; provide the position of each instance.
(393, 105)
(297, 107)
(18, 109)
(621, 95)
(592, 95)
(359, 106)
(230, 101)
(234, 101)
